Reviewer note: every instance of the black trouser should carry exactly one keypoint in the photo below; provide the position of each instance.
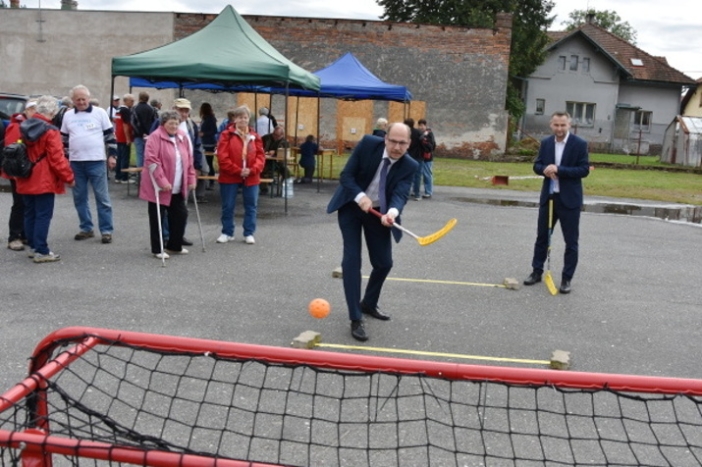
(16, 215)
(177, 215)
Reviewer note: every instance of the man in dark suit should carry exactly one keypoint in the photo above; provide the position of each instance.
(360, 188)
(563, 161)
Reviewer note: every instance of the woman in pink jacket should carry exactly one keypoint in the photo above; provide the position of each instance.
(241, 160)
(168, 150)
(48, 178)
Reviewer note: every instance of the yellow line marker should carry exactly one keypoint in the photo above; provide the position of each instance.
(431, 281)
(434, 354)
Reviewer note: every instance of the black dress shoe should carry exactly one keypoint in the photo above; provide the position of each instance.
(357, 331)
(187, 242)
(565, 286)
(533, 278)
(374, 312)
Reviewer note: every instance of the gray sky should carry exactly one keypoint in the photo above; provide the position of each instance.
(672, 30)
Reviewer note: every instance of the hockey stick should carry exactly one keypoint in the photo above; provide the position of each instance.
(423, 241)
(548, 279)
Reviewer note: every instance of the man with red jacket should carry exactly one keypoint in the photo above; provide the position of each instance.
(49, 175)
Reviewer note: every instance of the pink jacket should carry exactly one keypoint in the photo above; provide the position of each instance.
(160, 150)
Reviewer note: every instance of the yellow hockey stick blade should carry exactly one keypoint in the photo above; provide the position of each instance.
(548, 280)
(429, 239)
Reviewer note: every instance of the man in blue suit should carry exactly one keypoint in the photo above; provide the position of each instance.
(375, 162)
(563, 161)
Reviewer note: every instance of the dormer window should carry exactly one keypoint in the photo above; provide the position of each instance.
(637, 62)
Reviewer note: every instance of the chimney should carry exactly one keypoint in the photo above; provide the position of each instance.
(590, 17)
(14, 3)
(69, 5)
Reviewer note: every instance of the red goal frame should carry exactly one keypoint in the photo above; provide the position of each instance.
(37, 444)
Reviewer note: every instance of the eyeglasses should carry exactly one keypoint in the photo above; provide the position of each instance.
(397, 143)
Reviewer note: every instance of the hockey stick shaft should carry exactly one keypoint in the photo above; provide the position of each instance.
(423, 241)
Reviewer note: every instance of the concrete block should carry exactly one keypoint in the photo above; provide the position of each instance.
(511, 283)
(306, 340)
(560, 360)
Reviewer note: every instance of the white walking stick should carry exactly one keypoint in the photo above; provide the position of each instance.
(199, 224)
(152, 168)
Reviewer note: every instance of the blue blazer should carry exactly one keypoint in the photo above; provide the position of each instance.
(360, 169)
(574, 167)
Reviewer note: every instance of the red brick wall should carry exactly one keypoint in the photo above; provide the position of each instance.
(460, 73)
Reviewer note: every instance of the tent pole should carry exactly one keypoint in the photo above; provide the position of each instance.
(297, 118)
(112, 93)
(319, 143)
(285, 159)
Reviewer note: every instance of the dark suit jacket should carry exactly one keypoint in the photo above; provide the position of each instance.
(574, 167)
(360, 170)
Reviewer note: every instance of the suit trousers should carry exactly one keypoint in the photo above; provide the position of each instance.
(353, 221)
(570, 226)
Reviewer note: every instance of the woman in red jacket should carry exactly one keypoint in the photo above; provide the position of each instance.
(241, 160)
(49, 176)
(168, 149)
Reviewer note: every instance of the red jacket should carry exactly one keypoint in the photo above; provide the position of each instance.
(51, 173)
(12, 134)
(229, 156)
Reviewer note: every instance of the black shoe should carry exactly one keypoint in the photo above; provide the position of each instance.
(357, 331)
(533, 278)
(374, 312)
(565, 286)
(186, 242)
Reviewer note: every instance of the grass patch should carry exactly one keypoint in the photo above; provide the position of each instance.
(652, 185)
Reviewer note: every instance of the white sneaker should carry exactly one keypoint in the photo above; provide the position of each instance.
(50, 257)
(163, 255)
(182, 251)
(224, 238)
(250, 240)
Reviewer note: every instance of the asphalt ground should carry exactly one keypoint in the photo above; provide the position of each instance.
(634, 308)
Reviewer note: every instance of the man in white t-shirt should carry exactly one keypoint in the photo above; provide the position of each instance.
(86, 131)
(264, 124)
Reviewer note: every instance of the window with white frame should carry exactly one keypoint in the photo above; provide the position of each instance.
(540, 106)
(642, 120)
(582, 113)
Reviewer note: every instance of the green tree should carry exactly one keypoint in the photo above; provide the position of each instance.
(606, 19)
(530, 21)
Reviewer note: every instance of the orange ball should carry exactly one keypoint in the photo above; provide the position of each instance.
(319, 308)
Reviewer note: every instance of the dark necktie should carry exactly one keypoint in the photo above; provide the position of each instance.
(381, 186)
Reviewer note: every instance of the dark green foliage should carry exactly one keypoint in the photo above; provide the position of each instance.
(606, 19)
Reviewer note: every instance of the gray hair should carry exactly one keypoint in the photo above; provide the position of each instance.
(47, 106)
(80, 87)
(66, 101)
(263, 111)
(129, 96)
(382, 122)
(242, 110)
(169, 115)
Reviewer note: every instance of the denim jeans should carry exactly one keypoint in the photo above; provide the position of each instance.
(38, 211)
(228, 193)
(139, 145)
(428, 176)
(124, 152)
(92, 172)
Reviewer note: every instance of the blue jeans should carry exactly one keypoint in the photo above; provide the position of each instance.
(38, 211)
(92, 172)
(124, 152)
(428, 176)
(139, 144)
(228, 193)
